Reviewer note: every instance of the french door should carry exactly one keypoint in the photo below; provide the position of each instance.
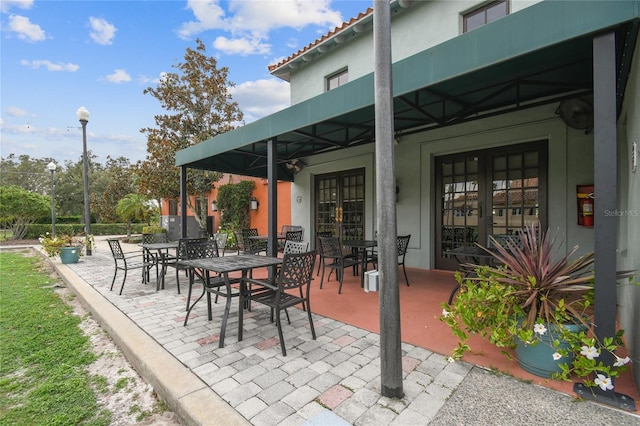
(481, 193)
(340, 204)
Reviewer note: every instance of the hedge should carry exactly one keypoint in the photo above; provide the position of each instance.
(34, 231)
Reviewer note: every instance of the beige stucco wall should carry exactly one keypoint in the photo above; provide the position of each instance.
(569, 151)
(424, 25)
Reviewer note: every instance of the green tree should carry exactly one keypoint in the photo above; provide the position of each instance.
(135, 207)
(233, 201)
(119, 179)
(19, 208)
(28, 173)
(199, 107)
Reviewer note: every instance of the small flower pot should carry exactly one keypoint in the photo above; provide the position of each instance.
(69, 254)
(538, 359)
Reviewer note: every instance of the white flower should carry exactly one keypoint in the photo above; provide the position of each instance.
(540, 329)
(590, 352)
(450, 359)
(445, 313)
(604, 382)
(621, 361)
(556, 356)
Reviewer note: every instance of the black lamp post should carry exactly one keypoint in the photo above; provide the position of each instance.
(52, 168)
(83, 116)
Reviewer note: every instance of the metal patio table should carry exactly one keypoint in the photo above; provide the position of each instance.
(223, 266)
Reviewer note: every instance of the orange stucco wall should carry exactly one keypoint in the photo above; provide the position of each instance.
(259, 217)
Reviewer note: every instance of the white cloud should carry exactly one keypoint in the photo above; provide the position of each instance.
(50, 66)
(249, 22)
(5, 5)
(241, 46)
(102, 32)
(118, 76)
(260, 98)
(209, 16)
(16, 112)
(24, 29)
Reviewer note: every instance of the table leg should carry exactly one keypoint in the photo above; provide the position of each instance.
(241, 303)
(227, 308)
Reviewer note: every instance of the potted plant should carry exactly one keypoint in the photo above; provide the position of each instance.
(68, 247)
(536, 300)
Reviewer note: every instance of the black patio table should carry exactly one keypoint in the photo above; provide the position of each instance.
(361, 247)
(223, 266)
(162, 257)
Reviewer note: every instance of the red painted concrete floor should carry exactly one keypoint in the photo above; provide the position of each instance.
(420, 309)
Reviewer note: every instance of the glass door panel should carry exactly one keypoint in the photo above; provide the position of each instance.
(495, 191)
(340, 204)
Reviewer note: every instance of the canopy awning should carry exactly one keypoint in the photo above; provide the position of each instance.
(539, 55)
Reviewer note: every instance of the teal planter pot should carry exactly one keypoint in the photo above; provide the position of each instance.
(70, 254)
(538, 359)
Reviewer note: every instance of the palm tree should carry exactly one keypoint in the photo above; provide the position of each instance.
(134, 207)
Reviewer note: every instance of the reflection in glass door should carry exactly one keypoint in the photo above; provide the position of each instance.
(458, 201)
(340, 204)
(482, 193)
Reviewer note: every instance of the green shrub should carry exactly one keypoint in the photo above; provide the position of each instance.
(153, 229)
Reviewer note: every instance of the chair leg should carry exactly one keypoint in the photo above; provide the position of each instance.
(405, 275)
(340, 275)
(123, 280)
(279, 324)
(313, 330)
(322, 278)
(113, 281)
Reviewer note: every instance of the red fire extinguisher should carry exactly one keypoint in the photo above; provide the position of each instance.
(585, 205)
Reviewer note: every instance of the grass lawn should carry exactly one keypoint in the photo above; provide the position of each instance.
(43, 353)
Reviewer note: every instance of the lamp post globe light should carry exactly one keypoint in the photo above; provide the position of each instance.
(83, 116)
(52, 168)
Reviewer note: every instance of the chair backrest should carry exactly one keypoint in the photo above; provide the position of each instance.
(182, 246)
(507, 241)
(330, 247)
(116, 249)
(296, 270)
(295, 247)
(252, 246)
(294, 235)
(160, 237)
(402, 244)
(200, 248)
(221, 240)
(285, 228)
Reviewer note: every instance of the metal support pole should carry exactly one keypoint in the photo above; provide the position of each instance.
(272, 195)
(53, 205)
(183, 201)
(605, 195)
(390, 338)
(87, 212)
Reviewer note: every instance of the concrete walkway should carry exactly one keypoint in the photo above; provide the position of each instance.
(334, 380)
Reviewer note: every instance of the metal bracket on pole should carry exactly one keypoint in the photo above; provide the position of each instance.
(611, 398)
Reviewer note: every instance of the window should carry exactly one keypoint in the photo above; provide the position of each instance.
(202, 205)
(485, 14)
(337, 79)
(173, 208)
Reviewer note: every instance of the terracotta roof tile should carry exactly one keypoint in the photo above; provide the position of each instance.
(320, 40)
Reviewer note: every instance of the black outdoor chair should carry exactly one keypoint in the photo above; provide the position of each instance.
(295, 272)
(333, 256)
(150, 256)
(128, 261)
(319, 235)
(402, 243)
(221, 241)
(212, 284)
(247, 245)
(181, 253)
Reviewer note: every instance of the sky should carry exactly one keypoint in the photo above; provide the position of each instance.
(56, 56)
